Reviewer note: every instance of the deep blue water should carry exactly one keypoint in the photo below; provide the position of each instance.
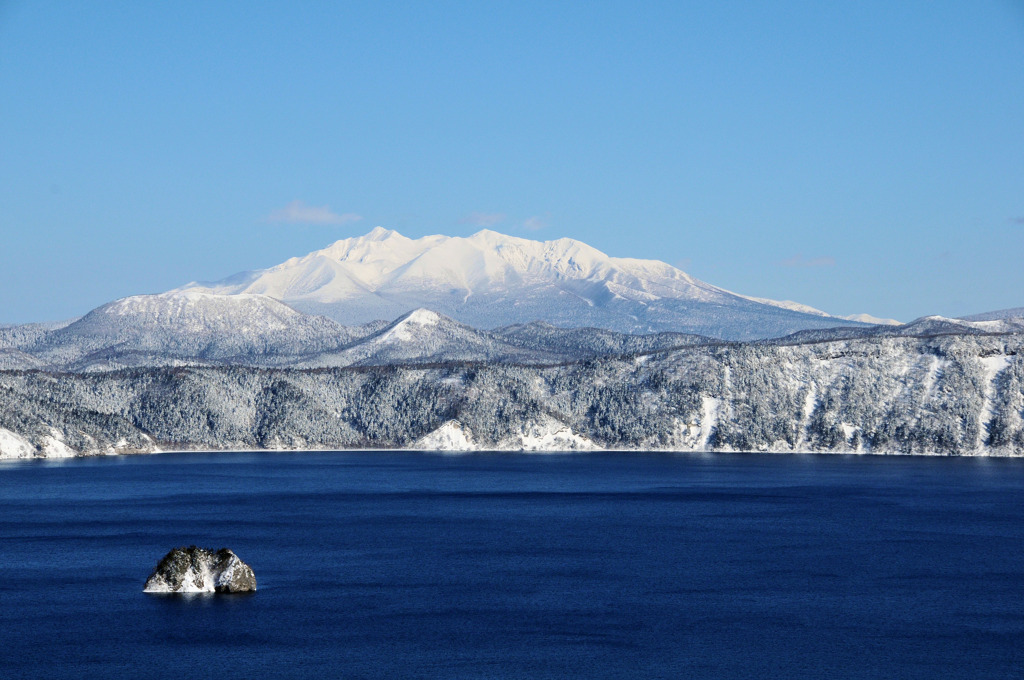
(502, 566)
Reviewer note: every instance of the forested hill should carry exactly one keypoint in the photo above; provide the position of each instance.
(956, 394)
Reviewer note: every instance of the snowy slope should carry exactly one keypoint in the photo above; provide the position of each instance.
(423, 336)
(944, 324)
(17, 360)
(985, 323)
(867, 318)
(196, 329)
(586, 342)
(926, 326)
(183, 327)
(20, 336)
(489, 280)
(1015, 314)
(807, 309)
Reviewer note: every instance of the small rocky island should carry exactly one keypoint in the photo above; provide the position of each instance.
(198, 570)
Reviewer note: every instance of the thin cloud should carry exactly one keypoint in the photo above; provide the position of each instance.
(1019, 221)
(534, 223)
(803, 262)
(297, 212)
(483, 219)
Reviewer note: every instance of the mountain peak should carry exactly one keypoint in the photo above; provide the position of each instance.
(490, 235)
(491, 279)
(421, 317)
(381, 234)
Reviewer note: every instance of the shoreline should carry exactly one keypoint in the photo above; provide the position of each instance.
(518, 452)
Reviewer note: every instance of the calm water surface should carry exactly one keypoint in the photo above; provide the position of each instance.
(505, 566)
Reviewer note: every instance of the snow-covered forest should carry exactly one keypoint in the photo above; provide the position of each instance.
(958, 394)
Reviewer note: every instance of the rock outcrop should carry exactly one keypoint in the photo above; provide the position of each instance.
(197, 570)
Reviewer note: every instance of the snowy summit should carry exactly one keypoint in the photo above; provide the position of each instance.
(489, 280)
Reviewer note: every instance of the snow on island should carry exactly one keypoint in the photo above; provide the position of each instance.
(197, 570)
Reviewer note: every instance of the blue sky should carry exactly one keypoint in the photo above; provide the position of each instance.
(855, 156)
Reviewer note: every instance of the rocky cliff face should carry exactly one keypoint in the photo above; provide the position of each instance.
(197, 570)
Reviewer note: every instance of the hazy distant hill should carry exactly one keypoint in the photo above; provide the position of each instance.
(205, 329)
(1016, 313)
(153, 330)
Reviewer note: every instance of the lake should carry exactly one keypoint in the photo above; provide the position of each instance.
(409, 565)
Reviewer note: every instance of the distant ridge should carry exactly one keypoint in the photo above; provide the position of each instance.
(490, 280)
(205, 329)
(998, 315)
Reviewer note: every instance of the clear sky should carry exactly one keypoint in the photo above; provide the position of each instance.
(861, 156)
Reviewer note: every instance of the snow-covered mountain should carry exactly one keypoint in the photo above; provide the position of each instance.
(489, 280)
(868, 318)
(424, 337)
(982, 323)
(149, 330)
(205, 329)
(1014, 313)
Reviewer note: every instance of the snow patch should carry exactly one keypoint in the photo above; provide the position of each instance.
(423, 317)
(15, 446)
(790, 305)
(451, 436)
(867, 318)
(708, 419)
(198, 581)
(992, 366)
(406, 329)
(545, 435)
(931, 378)
(53, 446)
(549, 435)
(810, 401)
